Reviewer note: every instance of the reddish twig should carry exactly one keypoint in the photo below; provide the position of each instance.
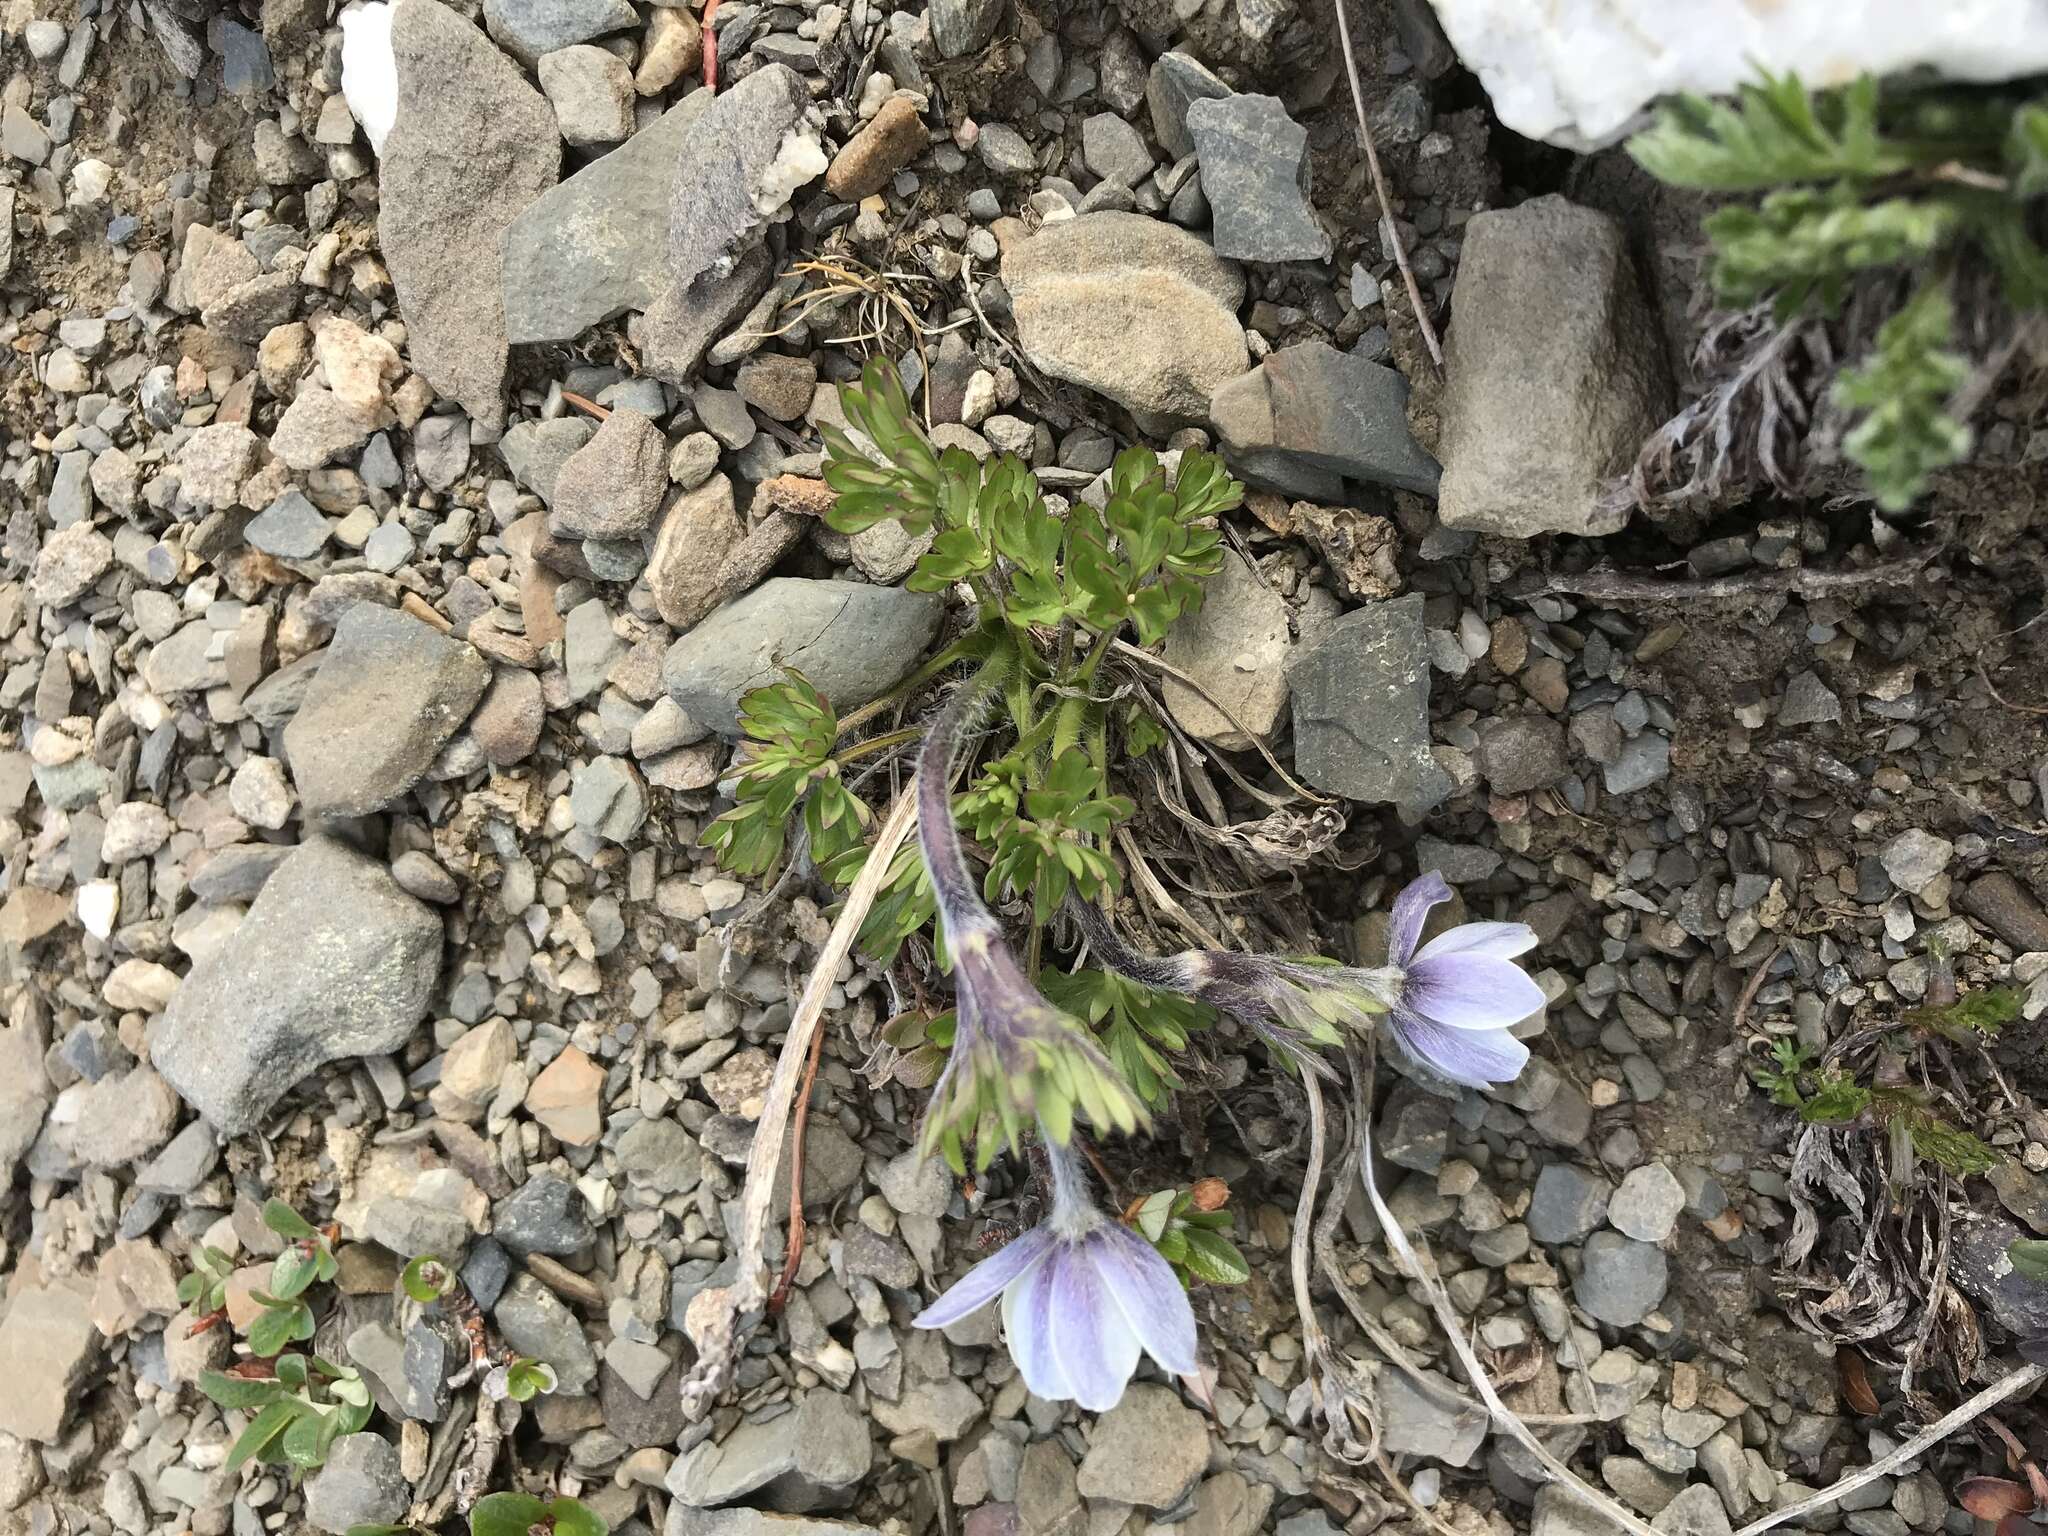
(710, 48)
(207, 1323)
(779, 1297)
(588, 407)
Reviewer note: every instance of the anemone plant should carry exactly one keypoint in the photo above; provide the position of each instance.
(1032, 1055)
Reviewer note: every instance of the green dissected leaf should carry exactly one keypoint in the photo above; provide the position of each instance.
(1805, 245)
(2029, 1256)
(1836, 1101)
(1903, 390)
(901, 480)
(904, 905)
(1142, 732)
(1776, 132)
(1981, 1013)
(285, 1222)
(835, 818)
(1213, 1257)
(506, 1514)
(237, 1391)
(278, 1326)
(1136, 1024)
(262, 1434)
(954, 556)
(294, 1270)
(1955, 1151)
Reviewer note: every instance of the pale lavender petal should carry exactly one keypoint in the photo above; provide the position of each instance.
(1027, 1323)
(1153, 1302)
(1411, 910)
(1477, 1058)
(1471, 992)
(987, 1280)
(1498, 941)
(1096, 1346)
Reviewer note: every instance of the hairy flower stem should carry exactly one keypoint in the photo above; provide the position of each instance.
(953, 887)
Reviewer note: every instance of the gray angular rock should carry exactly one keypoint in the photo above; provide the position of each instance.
(544, 1215)
(807, 1460)
(1555, 373)
(660, 1155)
(1361, 708)
(608, 798)
(853, 641)
(717, 214)
(390, 693)
(333, 960)
(961, 27)
(1255, 175)
(1521, 753)
(1697, 1511)
(50, 1348)
(534, 1321)
(1310, 417)
(1177, 81)
(1434, 1424)
(410, 1227)
(1620, 1280)
(70, 563)
(291, 528)
(591, 90)
(1567, 1203)
(1236, 647)
(472, 145)
(612, 486)
(596, 245)
(1646, 1205)
(359, 1484)
(1131, 308)
(1114, 150)
(529, 28)
(1915, 858)
(1809, 701)
(699, 529)
(1149, 1450)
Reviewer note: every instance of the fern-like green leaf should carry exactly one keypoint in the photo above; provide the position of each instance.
(1776, 133)
(1903, 390)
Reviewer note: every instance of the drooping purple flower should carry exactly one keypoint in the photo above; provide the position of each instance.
(1015, 1057)
(1083, 1296)
(1461, 992)
(1447, 1007)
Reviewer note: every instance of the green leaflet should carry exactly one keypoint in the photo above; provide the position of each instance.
(1902, 389)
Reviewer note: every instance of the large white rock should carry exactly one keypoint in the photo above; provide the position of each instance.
(1577, 72)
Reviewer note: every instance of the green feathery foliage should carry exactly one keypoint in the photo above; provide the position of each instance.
(1863, 182)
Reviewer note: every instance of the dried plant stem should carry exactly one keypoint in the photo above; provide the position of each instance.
(1623, 587)
(2013, 1382)
(720, 1318)
(1756, 984)
(793, 1248)
(1379, 187)
(1454, 1331)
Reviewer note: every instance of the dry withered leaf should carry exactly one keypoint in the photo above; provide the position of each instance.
(1856, 1390)
(1994, 1498)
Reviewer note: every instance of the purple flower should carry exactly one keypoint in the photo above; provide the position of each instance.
(1083, 1296)
(1460, 992)
(1448, 1006)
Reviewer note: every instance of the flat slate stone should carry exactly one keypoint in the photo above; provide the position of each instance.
(1255, 174)
(472, 145)
(389, 694)
(596, 246)
(333, 960)
(1310, 417)
(1361, 708)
